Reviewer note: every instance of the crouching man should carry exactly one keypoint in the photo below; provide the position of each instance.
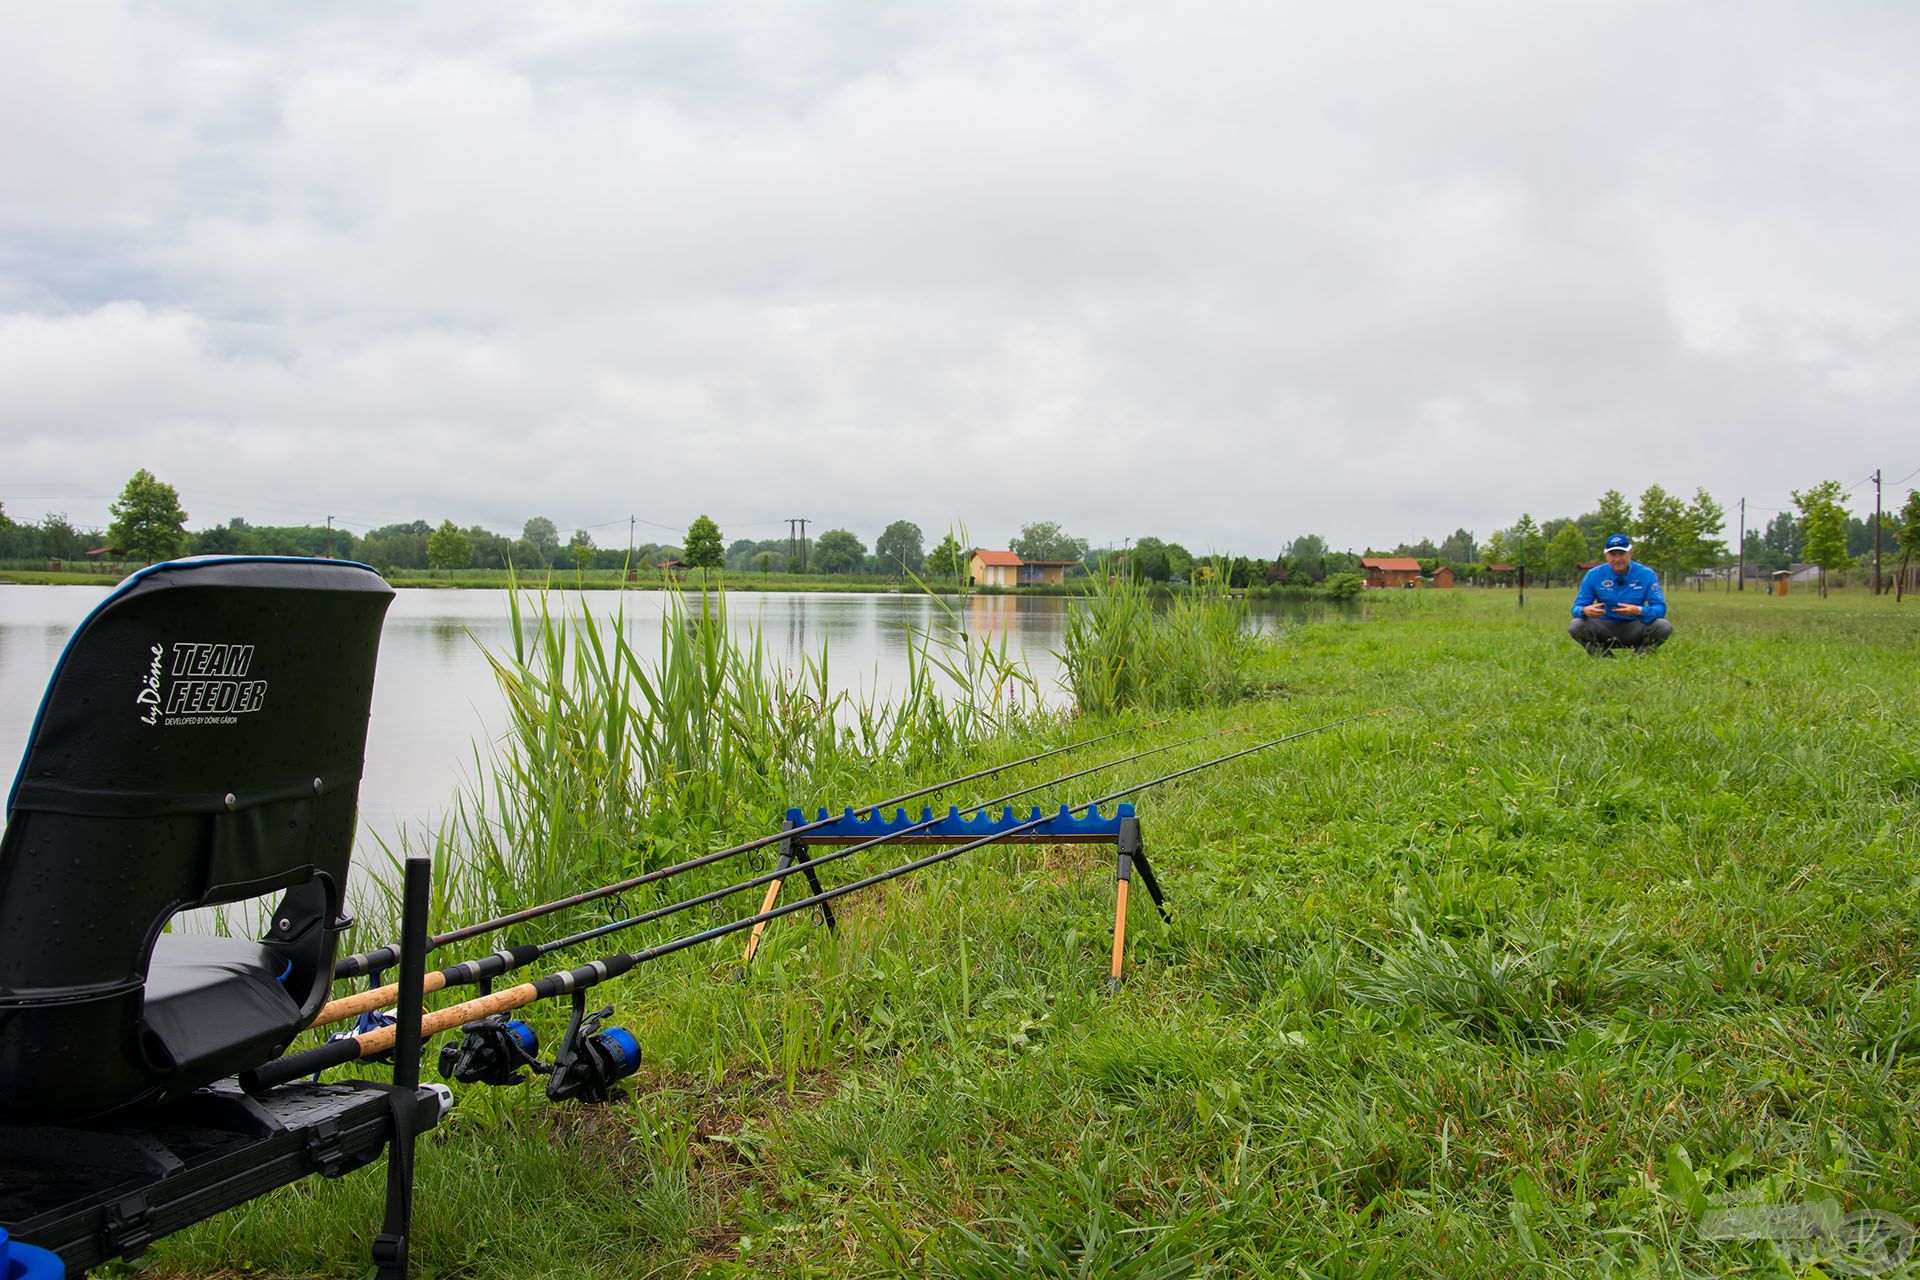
(1620, 605)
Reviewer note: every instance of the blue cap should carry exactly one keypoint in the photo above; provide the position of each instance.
(1619, 542)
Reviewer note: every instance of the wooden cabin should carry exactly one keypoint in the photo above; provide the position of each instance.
(1008, 569)
(1391, 571)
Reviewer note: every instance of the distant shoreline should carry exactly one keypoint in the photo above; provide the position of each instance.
(738, 583)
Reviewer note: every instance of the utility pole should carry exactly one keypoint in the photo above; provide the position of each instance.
(797, 545)
(1876, 531)
(1743, 545)
(1876, 577)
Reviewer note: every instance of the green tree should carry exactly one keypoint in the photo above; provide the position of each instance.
(1529, 546)
(949, 559)
(1661, 531)
(837, 551)
(148, 523)
(398, 546)
(1783, 535)
(1615, 515)
(448, 548)
(1909, 536)
(1458, 548)
(1568, 551)
(1499, 548)
(900, 547)
(1705, 519)
(1045, 540)
(1823, 523)
(234, 538)
(1308, 546)
(539, 544)
(767, 562)
(490, 550)
(703, 550)
(580, 547)
(1148, 560)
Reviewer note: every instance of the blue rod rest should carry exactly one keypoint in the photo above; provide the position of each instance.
(955, 827)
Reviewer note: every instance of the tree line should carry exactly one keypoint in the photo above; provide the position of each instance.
(1677, 537)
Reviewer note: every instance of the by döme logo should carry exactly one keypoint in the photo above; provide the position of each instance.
(148, 698)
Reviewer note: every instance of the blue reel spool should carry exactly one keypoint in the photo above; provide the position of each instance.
(623, 1051)
(594, 1059)
(25, 1262)
(524, 1034)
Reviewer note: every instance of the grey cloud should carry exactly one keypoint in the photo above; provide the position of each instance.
(1227, 272)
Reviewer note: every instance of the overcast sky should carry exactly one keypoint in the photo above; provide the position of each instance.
(1223, 273)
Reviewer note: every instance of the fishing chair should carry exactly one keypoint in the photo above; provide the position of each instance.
(200, 744)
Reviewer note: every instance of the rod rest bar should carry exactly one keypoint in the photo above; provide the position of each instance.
(1062, 828)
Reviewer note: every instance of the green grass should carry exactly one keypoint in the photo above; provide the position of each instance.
(57, 578)
(1516, 979)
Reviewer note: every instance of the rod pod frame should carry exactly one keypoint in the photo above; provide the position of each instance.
(1121, 830)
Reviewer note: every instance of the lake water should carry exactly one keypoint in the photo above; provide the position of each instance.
(435, 698)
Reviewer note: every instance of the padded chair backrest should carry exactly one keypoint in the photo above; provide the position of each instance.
(201, 742)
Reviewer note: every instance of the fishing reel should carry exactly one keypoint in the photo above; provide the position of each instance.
(589, 1066)
(492, 1051)
(592, 1061)
(372, 1020)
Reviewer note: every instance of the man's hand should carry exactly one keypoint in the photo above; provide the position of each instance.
(1628, 610)
(1594, 610)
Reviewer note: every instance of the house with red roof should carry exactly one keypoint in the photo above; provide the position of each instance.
(1008, 569)
(1390, 571)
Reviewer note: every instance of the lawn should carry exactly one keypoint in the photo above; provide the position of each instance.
(1559, 967)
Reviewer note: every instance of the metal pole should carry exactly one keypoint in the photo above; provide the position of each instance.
(1876, 531)
(1743, 546)
(390, 1247)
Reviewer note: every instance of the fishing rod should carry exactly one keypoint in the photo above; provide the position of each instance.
(591, 1060)
(510, 958)
(382, 958)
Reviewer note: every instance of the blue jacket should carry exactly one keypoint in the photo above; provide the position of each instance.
(1641, 586)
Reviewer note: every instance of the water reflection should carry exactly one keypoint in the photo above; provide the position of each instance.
(435, 698)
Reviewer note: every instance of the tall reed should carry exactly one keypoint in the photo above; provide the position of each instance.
(1120, 651)
(615, 761)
